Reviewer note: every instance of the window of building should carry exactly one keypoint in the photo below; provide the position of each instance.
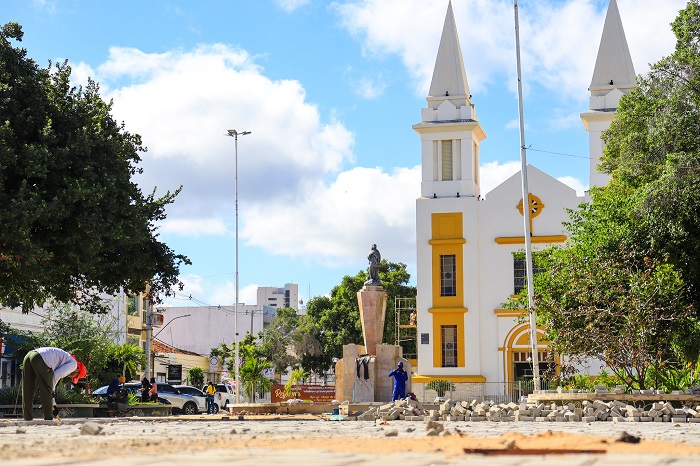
(447, 160)
(132, 305)
(448, 282)
(449, 345)
(520, 271)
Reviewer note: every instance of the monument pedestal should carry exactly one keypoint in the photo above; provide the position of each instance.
(362, 375)
(361, 378)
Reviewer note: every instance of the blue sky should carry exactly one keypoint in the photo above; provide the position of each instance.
(329, 91)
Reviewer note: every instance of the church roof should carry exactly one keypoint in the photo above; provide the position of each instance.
(449, 76)
(614, 62)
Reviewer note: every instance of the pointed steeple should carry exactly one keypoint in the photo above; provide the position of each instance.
(613, 67)
(449, 77)
(449, 129)
(613, 78)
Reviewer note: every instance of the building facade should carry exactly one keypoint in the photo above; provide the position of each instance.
(279, 298)
(470, 246)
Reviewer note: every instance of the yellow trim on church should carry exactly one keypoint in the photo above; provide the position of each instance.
(448, 318)
(447, 240)
(533, 239)
(509, 312)
(449, 378)
(435, 242)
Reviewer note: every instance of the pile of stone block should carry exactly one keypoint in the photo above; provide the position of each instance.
(406, 409)
(590, 411)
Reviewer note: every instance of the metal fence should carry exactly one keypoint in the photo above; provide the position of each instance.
(498, 392)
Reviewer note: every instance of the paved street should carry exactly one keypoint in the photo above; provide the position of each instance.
(283, 441)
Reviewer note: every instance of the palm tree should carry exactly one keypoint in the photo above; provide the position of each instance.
(252, 375)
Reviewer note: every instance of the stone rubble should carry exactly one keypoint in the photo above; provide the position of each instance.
(474, 411)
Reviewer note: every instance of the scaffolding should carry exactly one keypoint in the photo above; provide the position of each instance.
(405, 324)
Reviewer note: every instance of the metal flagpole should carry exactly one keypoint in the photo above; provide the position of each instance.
(234, 133)
(526, 213)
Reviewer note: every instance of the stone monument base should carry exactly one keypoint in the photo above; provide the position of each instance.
(373, 383)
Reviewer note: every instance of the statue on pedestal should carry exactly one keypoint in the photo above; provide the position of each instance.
(374, 258)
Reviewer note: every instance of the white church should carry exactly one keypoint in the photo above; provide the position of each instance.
(470, 247)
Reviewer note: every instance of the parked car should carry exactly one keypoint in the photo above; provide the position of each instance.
(199, 395)
(167, 394)
(130, 387)
(225, 395)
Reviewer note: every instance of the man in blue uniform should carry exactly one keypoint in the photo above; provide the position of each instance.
(400, 377)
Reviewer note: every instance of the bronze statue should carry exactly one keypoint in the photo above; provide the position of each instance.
(374, 258)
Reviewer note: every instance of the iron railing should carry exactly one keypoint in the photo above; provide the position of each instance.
(498, 392)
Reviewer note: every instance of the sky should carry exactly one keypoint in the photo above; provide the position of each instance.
(329, 91)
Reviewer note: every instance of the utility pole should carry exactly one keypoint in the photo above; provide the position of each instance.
(149, 329)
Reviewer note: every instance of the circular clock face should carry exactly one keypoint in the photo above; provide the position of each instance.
(449, 346)
(214, 361)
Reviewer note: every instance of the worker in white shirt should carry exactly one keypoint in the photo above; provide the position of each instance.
(43, 368)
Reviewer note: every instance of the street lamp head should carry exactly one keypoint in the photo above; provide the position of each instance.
(234, 133)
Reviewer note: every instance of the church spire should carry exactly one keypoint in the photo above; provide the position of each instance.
(613, 67)
(449, 129)
(613, 77)
(449, 76)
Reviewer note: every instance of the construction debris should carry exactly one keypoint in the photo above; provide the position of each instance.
(581, 411)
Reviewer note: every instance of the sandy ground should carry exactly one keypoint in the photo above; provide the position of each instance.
(313, 440)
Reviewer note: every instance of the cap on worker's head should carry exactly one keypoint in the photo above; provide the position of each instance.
(81, 372)
(122, 379)
(400, 363)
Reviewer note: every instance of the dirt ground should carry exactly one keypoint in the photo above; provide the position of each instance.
(125, 438)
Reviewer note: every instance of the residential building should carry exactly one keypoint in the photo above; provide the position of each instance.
(279, 297)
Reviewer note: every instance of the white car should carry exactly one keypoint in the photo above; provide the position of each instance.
(199, 395)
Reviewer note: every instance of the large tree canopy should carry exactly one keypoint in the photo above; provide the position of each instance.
(653, 154)
(74, 224)
(625, 289)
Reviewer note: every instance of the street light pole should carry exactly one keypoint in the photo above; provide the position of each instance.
(233, 133)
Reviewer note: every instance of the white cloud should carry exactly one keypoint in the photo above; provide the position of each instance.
(574, 183)
(225, 295)
(182, 102)
(495, 173)
(559, 39)
(335, 222)
(291, 5)
(367, 87)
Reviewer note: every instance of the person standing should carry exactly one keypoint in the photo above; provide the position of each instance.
(153, 392)
(145, 390)
(44, 368)
(211, 391)
(400, 377)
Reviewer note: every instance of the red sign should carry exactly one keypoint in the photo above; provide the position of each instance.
(316, 393)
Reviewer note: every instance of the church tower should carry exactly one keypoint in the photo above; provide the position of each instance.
(447, 216)
(613, 77)
(449, 129)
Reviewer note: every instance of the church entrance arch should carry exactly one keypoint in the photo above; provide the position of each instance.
(517, 354)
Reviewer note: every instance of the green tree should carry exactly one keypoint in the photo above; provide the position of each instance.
(628, 280)
(196, 377)
(622, 308)
(338, 317)
(252, 373)
(88, 336)
(653, 154)
(74, 223)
